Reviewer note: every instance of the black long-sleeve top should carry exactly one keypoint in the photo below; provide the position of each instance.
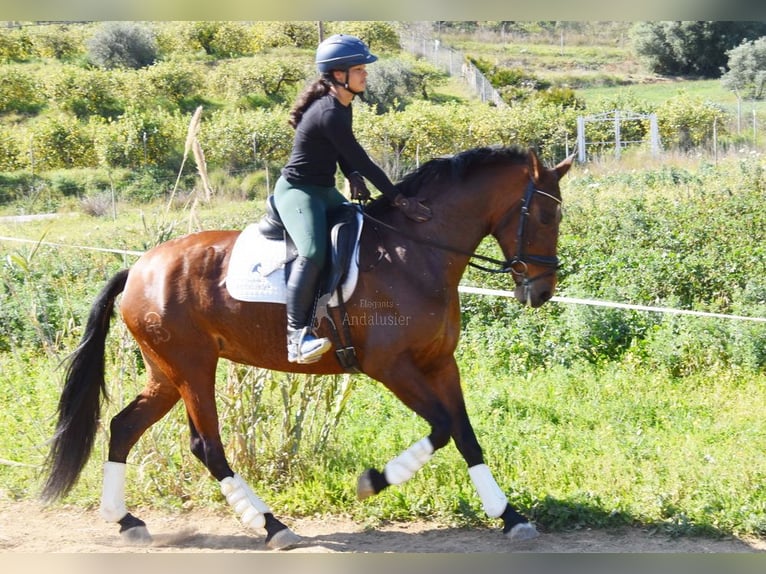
(324, 140)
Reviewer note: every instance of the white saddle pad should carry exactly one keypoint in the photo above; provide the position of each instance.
(257, 269)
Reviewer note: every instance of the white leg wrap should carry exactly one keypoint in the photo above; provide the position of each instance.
(244, 501)
(113, 492)
(493, 499)
(403, 467)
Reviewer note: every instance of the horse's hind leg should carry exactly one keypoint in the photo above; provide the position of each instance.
(206, 445)
(253, 512)
(125, 429)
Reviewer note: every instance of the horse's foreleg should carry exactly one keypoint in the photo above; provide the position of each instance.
(496, 505)
(494, 501)
(398, 470)
(413, 389)
(254, 513)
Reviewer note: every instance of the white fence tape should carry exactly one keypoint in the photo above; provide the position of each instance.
(466, 289)
(102, 249)
(597, 303)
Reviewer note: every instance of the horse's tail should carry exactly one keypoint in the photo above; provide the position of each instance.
(80, 403)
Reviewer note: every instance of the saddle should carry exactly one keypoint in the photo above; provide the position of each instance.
(345, 227)
(344, 233)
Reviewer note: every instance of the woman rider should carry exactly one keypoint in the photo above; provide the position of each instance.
(305, 192)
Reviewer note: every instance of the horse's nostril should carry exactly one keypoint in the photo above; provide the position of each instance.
(545, 295)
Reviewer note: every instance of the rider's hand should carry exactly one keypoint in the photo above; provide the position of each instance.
(357, 187)
(413, 208)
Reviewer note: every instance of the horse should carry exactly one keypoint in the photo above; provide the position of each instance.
(184, 321)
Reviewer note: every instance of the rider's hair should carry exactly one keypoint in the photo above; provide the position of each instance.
(319, 89)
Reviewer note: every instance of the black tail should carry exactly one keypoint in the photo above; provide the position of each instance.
(80, 403)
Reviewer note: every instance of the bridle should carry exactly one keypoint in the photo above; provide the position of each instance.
(518, 265)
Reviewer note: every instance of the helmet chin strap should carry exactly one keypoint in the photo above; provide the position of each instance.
(343, 84)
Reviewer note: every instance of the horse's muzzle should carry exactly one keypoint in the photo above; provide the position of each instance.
(533, 295)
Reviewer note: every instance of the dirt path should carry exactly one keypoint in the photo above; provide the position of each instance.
(27, 527)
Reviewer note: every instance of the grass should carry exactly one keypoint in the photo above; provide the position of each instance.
(601, 69)
(656, 93)
(583, 447)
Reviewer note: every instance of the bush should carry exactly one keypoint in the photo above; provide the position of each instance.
(60, 141)
(687, 122)
(393, 83)
(217, 38)
(78, 182)
(285, 35)
(85, 93)
(12, 155)
(122, 45)
(257, 82)
(379, 36)
(242, 139)
(561, 97)
(173, 85)
(140, 138)
(14, 46)
(59, 41)
(19, 92)
(97, 205)
(14, 185)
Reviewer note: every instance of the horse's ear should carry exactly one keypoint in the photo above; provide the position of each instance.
(562, 168)
(535, 167)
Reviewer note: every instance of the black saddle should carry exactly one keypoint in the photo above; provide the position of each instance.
(344, 228)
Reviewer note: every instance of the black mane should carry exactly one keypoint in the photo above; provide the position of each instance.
(451, 169)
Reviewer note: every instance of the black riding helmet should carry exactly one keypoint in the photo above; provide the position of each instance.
(341, 52)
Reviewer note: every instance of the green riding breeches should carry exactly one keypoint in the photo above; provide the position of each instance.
(304, 210)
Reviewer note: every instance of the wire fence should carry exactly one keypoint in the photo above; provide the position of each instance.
(461, 288)
(452, 61)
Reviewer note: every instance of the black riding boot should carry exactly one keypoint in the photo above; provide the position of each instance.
(302, 345)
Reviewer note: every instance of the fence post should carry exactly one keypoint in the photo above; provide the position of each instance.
(654, 135)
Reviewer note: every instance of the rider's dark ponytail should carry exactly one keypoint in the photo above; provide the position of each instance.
(318, 89)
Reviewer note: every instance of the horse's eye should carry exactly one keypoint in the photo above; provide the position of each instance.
(548, 216)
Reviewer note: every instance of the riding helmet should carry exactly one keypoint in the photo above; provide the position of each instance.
(342, 51)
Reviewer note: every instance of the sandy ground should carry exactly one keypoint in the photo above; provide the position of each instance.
(30, 528)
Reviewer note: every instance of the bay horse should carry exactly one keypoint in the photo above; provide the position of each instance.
(176, 307)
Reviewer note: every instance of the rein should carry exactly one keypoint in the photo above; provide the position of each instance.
(518, 265)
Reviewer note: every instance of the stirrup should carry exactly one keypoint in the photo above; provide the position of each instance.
(304, 348)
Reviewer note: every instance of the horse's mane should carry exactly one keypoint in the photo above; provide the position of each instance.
(450, 169)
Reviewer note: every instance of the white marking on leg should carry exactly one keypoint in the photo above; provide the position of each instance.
(493, 499)
(113, 492)
(244, 501)
(403, 467)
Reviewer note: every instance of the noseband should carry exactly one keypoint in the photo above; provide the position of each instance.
(518, 265)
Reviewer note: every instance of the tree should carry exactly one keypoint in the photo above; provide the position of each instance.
(691, 47)
(122, 45)
(746, 75)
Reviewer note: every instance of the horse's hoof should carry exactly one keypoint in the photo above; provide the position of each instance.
(136, 536)
(283, 540)
(364, 488)
(522, 532)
